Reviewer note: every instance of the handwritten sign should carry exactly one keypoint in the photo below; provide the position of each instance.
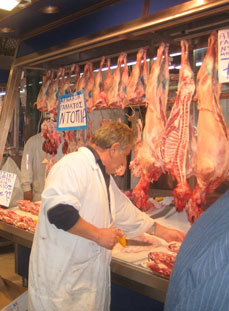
(7, 181)
(72, 112)
(223, 55)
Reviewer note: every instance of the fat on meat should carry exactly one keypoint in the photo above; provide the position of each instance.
(212, 160)
(177, 135)
(161, 262)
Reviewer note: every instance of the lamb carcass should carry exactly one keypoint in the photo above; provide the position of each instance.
(134, 79)
(108, 79)
(113, 99)
(99, 95)
(176, 140)
(65, 85)
(212, 161)
(123, 84)
(148, 163)
(89, 88)
(53, 92)
(41, 102)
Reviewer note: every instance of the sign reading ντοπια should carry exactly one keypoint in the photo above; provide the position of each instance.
(72, 112)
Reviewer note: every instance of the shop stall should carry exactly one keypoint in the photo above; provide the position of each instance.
(119, 31)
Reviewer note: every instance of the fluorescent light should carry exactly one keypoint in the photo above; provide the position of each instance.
(175, 54)
(198, 64)
(2, 93)
(8, 5)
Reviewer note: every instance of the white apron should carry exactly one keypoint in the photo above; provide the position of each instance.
(68, 272)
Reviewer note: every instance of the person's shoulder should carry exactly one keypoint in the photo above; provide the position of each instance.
(35, 138)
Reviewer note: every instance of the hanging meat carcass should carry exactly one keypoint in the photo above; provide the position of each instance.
(212, 161)
(177, 137)
(83, 79)
(147, 163)
(70, 144)
(141, 87)
(41, 102)
(51, 143)
(107, 83)
(65, 84)
(89, 88)
(113, 99)
(133, 91)
(53, 92)
(98, 94)
(124, 84)
(76, 80)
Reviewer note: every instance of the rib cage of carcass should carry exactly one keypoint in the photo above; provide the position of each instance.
(178, 141)
(148, 163)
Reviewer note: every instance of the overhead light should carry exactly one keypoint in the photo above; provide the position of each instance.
(8, 5)
(49, 9)
(6, 30)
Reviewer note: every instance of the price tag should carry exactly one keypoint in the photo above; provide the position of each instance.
(223, 55)
(7, 181)
(72, 112)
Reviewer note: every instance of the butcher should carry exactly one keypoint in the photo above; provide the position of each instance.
(82, 214)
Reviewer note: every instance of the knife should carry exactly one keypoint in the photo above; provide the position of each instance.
(131, 242)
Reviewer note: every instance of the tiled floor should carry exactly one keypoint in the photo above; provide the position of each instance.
(7, 265)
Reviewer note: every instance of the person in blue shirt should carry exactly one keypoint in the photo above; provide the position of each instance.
(200, 277)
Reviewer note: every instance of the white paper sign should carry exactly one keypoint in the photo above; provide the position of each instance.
(223, 55)
(72, 112)
(7, 181)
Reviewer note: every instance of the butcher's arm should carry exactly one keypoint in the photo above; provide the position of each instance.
(105, 237)
(67, 218)
(165, 233)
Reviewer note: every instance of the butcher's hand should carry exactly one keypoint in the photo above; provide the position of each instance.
(169, 234)
(107, 237)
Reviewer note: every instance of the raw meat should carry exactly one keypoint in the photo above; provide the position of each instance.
(176, 138)
(99, 95)
(77, 78)
(51, 143)
(174, 246)
(70, 143)
(89, 88)
(65, 85)
(148, 163)
(123, 84)
(53, 92)
(212, 162)
(161, 263)
(132, 88)
(113, 99)
(108, 79)
(43, 93)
